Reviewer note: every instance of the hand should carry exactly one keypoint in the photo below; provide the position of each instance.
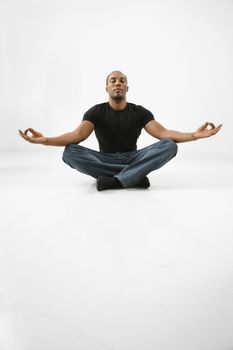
(207, 130)
(35, 137)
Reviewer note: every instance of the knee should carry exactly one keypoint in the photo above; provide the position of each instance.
(69, 151)
(171, 146)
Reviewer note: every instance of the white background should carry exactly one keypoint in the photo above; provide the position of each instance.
(55, 56)
(123, 269)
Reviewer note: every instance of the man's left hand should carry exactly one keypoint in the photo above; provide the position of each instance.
(207, 130)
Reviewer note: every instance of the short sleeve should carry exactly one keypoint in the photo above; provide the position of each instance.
(91, 115)
(147, 116)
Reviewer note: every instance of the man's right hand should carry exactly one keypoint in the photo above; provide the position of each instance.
(80, 134)
(35, 137)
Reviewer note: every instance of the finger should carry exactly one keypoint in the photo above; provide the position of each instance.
(208, 126)
(23, 135)
(219, 126)
(32, 130)
(211, 125)
(216, 129)
(204, 126)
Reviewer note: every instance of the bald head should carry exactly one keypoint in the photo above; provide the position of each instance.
(115, 73)
(116, 87)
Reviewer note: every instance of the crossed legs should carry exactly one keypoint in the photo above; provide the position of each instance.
(128, 168)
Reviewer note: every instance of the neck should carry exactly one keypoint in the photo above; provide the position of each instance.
(117, 104)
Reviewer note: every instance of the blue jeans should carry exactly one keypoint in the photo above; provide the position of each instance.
(128, 167)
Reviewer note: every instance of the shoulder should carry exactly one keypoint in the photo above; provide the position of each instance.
(102, 105)
(140, 109)
(143, 114)
(93, 113)
(98, 107)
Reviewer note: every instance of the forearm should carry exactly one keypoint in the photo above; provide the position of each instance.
(178, 136)
(76, 136)
(160, 132)
(62, 140)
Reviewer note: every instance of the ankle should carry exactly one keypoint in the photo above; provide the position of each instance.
(107, 183)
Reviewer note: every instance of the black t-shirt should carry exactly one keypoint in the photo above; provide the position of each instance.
(118, 130)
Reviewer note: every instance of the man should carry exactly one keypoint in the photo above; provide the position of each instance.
(117, 126)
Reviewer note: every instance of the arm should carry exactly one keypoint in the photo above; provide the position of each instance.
(160, 132)
(81, 133)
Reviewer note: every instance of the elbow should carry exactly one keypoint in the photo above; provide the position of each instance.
(164, 134)
(79, 136)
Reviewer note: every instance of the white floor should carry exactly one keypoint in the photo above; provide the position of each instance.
(115, 270)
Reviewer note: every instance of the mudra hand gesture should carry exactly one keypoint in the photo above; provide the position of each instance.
(207, 130)
(35, 137)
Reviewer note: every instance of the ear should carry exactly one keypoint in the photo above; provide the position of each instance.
(127, 88)
(106, 89)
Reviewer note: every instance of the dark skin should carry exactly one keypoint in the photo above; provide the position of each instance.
(117, 89)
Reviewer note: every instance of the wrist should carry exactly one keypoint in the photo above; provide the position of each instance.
(194, 137)
(46, 141)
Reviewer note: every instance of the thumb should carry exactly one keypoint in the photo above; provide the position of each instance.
(32, 130)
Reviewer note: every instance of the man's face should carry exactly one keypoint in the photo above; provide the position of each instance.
(117, 86)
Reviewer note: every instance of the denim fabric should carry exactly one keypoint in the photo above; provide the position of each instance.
(129, 167)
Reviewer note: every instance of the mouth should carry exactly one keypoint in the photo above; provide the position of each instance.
(118, 90)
